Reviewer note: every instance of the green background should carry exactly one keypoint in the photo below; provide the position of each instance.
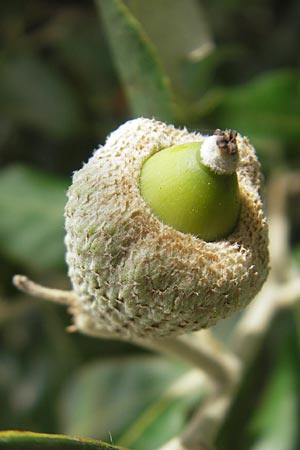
(70, 73)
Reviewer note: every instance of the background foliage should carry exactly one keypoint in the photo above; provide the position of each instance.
(71, 72)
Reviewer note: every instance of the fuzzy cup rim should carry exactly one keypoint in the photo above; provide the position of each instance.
(135, 276)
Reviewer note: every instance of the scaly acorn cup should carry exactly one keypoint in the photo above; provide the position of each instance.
(165, 231)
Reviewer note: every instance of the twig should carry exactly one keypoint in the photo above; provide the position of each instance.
(24, 284)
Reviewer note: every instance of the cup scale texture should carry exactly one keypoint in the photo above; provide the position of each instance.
(135, 277)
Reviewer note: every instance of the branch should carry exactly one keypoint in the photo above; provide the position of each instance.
(27, 286)
(219, 365)
(255, 322)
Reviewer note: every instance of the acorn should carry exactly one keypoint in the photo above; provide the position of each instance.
(165, 231)
(193, 186)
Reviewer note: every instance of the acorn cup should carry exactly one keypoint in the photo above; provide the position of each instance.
(165, 232)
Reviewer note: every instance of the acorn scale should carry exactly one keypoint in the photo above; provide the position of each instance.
(137, 274)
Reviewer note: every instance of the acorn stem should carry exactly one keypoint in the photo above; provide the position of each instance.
(28, 286)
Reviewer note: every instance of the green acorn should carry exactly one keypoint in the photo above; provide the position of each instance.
(165, 232)
(193, 186)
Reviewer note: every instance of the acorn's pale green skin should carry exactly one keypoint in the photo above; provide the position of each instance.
(135, 277)
(189, 196)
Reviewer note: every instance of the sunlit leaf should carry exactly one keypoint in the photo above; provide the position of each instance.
(25, 440)
(144, 81)
(32, 222)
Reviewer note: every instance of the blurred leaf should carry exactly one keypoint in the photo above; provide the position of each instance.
(36, 356)
(25, 440)
(277, 418)
(83, 50)
(6, 127)
(179, 31)
(34, 94)
(165, 418)
(109, 396)
(32, 221)
(145, 83)
(268, 107)
(199, 75)
(265, 411)
(296, 256)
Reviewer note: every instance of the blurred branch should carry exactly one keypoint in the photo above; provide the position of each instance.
(218, 365)
(279, 226)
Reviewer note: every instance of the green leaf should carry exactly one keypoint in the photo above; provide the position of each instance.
(35, 94)
(295, 253)
(144, 81)
(131, 398)
(265, 412)
(266, 108)
(276, 420)
(178, 30)
(32, 217)
(25, 440)
(165, 417)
